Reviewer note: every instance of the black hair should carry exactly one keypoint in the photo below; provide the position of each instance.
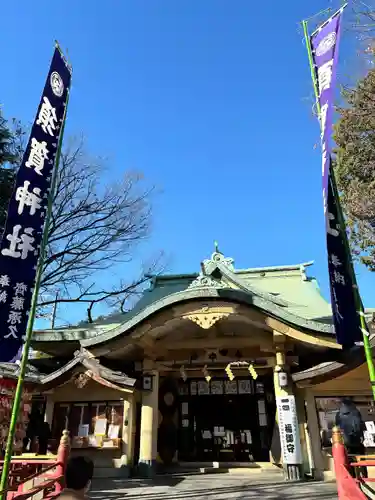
(79, 472)
(347, 401)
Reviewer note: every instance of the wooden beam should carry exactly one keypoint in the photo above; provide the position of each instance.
(314, 339)
(214, 343)
(146, 342)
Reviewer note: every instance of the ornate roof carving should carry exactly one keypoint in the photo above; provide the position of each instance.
(204, 281)
(218, 258)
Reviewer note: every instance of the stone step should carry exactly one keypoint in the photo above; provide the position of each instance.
(111, 472)
(222, 468)
(191, 468)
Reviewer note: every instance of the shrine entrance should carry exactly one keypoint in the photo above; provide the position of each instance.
(226, 421)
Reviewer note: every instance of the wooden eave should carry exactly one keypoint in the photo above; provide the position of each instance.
(323, 372)
(82, 361)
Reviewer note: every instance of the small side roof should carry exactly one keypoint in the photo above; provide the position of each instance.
(322, 372)
(92, 366)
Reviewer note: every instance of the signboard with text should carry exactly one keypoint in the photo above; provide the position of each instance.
(22, 236)
(289, 431)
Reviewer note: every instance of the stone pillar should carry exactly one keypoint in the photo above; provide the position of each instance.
(292, 472)
(149, 428)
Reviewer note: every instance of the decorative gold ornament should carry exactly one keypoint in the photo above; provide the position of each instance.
(206, 320)
(253, 371)
(206, 374)
(183, 373)
(228, 371)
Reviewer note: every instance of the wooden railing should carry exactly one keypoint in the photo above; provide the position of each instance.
(349, 487)
(39, 476)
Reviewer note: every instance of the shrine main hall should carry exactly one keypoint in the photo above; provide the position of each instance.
(223, 368)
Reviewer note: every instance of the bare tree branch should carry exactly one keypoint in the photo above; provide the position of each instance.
(93, 228)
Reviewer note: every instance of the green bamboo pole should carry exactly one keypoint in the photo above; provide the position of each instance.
(30, 324)
(357, 298)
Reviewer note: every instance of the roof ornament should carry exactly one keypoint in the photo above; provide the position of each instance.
(203, 281)
(81, 379)
(218, 257)
(302, 269)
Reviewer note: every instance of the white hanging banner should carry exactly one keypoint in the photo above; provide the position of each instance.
(289, 431)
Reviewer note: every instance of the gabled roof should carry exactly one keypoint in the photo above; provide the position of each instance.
(284, 292)
(12, 371)
(92, 366)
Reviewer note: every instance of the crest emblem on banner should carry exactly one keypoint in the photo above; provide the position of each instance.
(326, 44)
(57, 84)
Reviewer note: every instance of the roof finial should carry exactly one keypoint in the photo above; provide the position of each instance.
(216, 247)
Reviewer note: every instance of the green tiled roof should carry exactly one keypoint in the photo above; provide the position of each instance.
(302, 293)
(284, 291)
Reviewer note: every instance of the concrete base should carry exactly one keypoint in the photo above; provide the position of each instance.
(146, 469)
(112, 472)
(329, 475)
(293, 473)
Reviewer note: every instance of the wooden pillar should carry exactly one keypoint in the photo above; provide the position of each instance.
(275, 452)
(149, 428)
(127, 459)
(291, 471)
(313, 426)
(62, 458)
(48, 414)
(308, 462)
(131, 428)
(347, 486)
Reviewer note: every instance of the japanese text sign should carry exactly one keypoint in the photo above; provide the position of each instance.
(21, 240)
(288, 429)
(324, 45)
(344, 307)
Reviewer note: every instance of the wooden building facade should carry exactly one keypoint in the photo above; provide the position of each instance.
(194, 374)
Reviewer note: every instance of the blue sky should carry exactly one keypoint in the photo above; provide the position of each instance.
(210, 99)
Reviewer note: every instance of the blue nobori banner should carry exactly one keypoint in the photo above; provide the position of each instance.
(21, 241)
(344, 293)
(345, 299)
(324, 46)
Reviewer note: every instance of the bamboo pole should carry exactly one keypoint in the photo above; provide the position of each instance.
(30, 324)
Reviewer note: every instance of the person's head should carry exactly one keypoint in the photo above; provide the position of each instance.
(347, 401)
(79, 472)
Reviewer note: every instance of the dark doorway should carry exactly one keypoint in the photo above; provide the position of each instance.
(226, 427)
